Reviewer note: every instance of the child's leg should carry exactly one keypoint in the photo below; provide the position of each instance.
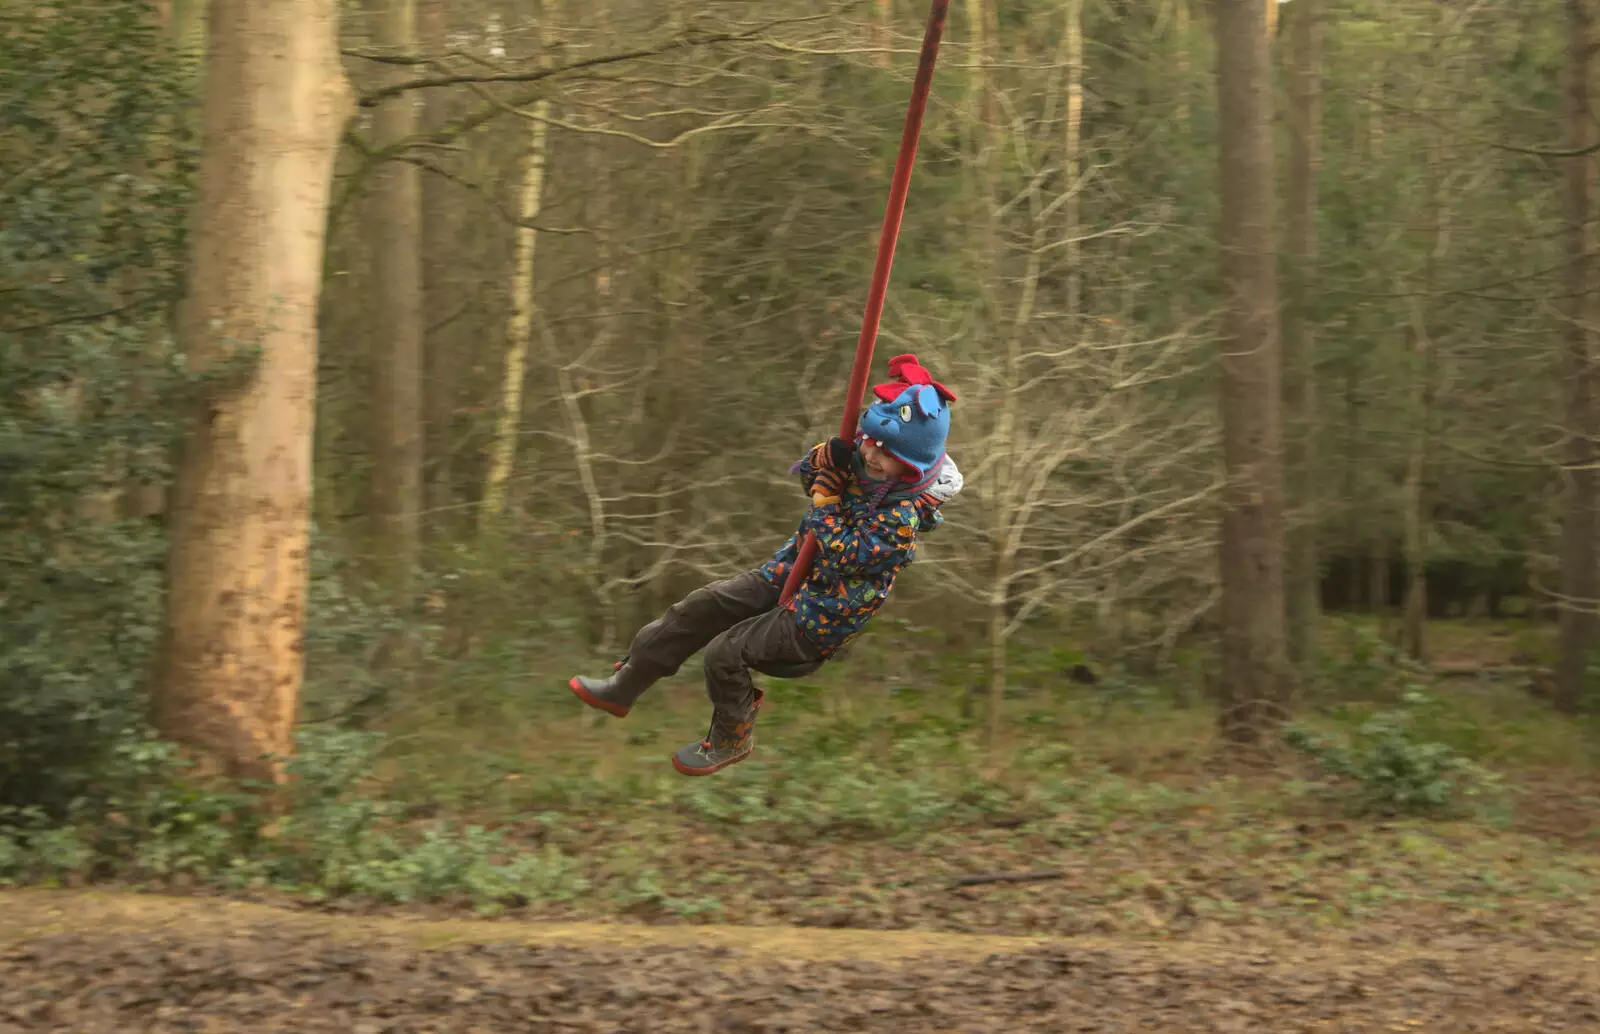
(660, 648)
(773, 638)
(688, 625)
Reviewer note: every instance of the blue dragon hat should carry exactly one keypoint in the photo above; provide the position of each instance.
(911, 418)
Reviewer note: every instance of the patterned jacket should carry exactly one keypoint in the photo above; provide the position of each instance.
(863, 541)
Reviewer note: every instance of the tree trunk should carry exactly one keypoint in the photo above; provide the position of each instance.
(1378, 587)
(439, 362)
(984, 149)
(1355, 544)
(1580, 580)
(1418, 516)
(231, 660)
(984, 139)
(1180, 29)
(395, 227)
(503, 449)
(1073, 162)
(1256, 682)
(999, 662)
(1300, 400)
(672, 392)
(882, 16)
(1418, 499)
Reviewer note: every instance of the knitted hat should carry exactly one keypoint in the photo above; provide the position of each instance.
(911, 418)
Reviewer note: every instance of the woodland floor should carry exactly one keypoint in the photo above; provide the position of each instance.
(93, 962)
(1131, 890)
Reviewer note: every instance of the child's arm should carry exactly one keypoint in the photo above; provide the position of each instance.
(882, 542)
(806, 472)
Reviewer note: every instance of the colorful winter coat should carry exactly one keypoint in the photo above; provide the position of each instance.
(863, 541)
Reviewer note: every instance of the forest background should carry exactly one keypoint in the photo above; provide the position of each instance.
(1272, 327)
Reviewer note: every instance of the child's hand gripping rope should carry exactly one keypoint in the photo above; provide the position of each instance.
(833, 464)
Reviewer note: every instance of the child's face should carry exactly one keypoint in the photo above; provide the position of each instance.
(880, 465)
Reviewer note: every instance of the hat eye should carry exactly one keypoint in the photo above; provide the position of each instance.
(905, 414)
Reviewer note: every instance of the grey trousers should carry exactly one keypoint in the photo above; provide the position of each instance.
(737, 623)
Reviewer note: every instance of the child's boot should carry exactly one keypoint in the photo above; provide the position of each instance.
(615, 695)
(729, 741)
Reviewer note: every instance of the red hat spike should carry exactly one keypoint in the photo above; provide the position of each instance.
(909, 373)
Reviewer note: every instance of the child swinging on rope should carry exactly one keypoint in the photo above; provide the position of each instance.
(869, 499)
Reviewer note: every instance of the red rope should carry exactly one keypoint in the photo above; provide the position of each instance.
(898, 188)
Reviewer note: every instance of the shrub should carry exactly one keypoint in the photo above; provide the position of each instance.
(1384, 768)
(97, 171)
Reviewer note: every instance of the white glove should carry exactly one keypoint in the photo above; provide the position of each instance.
(947, 483)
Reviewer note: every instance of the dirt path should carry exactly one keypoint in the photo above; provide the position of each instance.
(75, 961)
